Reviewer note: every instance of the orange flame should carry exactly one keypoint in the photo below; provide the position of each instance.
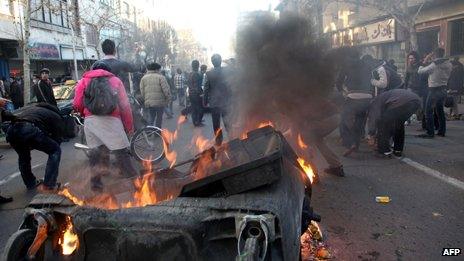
(264, 124)
(145, 195)
(69, 241)
(301, 142)
(201, 143)
(307, 169)
(168, 138)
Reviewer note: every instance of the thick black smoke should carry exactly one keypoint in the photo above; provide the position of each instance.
(282, 73)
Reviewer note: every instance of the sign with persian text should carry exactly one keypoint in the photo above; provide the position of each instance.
(379, 32)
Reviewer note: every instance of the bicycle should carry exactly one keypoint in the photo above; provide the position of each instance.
(146, 144)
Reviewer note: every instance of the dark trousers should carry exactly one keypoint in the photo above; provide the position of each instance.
(353, 121)
(24, 137)
(197, 108)
(99, 162)
(155, 115)
(181, 96)
(391, 125)
(216, 114)
(435, 101)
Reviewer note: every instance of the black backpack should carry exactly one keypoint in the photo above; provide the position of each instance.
(99, 97)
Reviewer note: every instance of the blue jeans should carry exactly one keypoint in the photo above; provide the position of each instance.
(435, 100)
(24, 137)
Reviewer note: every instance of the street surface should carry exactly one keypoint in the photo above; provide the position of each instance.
(426, 189)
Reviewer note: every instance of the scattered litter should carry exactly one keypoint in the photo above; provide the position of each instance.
(436, 214)
(382, 199)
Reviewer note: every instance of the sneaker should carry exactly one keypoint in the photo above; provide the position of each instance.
(425, 136)
(384, 155)
(42, 188)
(4, 200)
(398, 153)
(337, 171)
(440, 134)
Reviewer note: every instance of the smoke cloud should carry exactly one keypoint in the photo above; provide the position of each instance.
(282, 74)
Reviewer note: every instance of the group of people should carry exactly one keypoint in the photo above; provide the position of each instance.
(101, 97)
(376, 95)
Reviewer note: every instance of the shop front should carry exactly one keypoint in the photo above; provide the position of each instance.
(378, 39)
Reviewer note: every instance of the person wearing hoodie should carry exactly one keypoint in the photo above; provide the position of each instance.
(439, 70)
(105, 133)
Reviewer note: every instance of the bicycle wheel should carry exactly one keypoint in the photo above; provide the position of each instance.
(147, 144)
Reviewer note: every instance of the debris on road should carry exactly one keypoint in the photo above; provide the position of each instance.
(382, 199)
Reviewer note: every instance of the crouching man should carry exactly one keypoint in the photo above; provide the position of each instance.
(39, 127)
(387, 114)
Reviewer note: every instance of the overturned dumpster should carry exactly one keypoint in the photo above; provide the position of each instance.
(247, 200)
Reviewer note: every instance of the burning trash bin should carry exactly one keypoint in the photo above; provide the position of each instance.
(246, 200)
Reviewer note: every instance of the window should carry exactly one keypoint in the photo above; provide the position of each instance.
(428, 40)
(126, 9)
(457, 37)
(50, 11)
(91, 34)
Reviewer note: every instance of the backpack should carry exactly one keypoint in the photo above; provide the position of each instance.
(99, 97)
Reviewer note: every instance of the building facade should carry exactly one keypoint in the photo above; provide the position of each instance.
(59, 25)
(439, 23)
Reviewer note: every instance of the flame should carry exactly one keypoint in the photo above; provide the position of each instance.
(181, 120)
(168, 138)
(65, 192)
(264, 124)
(145, 194)
(69, 241)
(301, 142)
(201, 143)
(307, 169)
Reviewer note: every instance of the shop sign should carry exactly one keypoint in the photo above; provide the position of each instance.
(379, 32)
(44, 51)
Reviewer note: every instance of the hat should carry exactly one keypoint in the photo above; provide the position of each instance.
(45, 70)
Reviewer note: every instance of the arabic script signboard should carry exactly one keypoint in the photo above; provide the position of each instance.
(379, 32)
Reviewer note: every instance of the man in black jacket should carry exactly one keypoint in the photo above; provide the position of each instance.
(43, 89)
(387, 115)
(118, 67)
(39, 127)
(196, 94)
(2, 105)
(217, 95)
(355, 76)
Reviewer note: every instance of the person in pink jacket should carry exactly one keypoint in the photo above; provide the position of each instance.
(105, 133)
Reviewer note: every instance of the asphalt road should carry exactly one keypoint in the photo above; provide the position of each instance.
(425, 214)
